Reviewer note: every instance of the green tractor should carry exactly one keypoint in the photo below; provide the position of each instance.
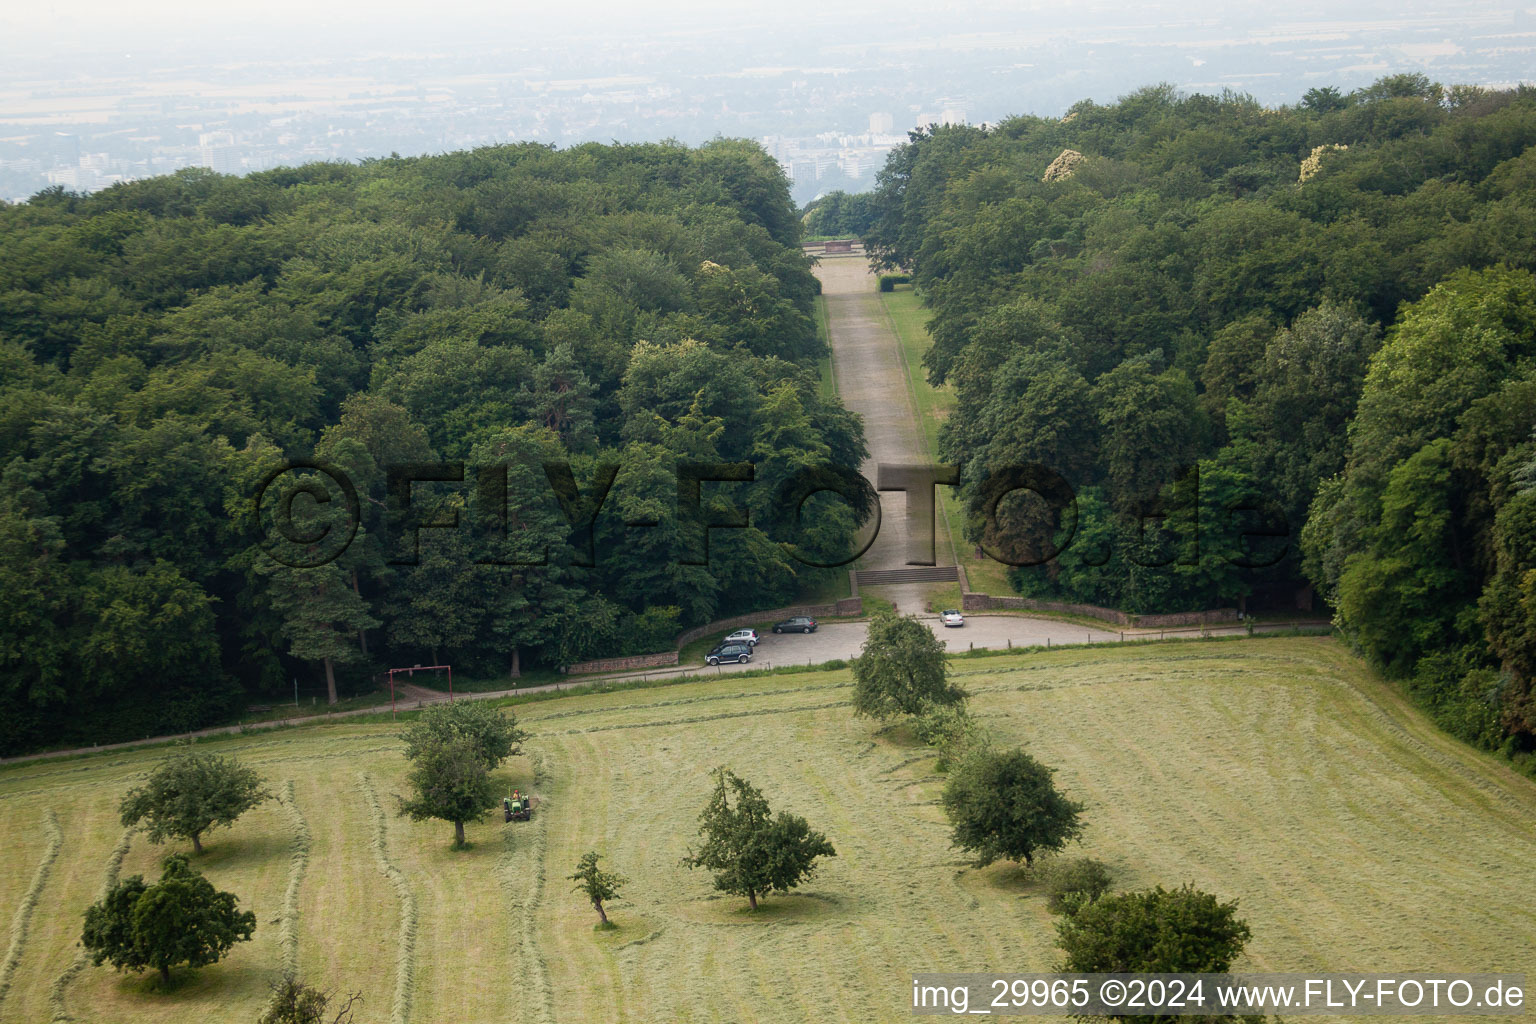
(518, 806)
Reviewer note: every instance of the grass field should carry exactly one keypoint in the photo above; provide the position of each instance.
(1276, 771)
(934, 405)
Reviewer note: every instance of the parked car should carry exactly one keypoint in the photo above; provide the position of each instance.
(742, 636)
(951, 617)
(797, 624)
(739, 653)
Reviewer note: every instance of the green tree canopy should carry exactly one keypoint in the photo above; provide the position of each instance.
(182, 919)
(169, 343)
(751, 850)
(901, 670)
(1156, 930)
(450, 782)
(187, 794)
(1003, 804)
(491, 733)
(596, 884)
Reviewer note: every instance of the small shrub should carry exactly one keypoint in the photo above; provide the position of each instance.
(1156, 931)
(294, 1002)
(888, 282)
(950, 730)
(1072, 884)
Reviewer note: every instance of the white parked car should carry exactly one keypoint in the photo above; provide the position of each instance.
(742, 636)
(950, 617)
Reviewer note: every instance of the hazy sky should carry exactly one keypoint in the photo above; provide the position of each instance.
(401, 22)
(56, 29)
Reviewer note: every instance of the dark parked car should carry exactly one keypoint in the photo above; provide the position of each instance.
(798, 624)
(740, 653)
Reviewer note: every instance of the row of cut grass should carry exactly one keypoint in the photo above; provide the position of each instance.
(21, 922)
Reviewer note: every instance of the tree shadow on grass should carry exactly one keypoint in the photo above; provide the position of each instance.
(1003, 877)
(808, 907)
(899, 735)
(221, 983)
(230, 849)
(628, 928)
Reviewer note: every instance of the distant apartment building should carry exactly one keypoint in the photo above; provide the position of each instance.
(218, 153)
(75, 179)
(803, 170)
(92, 171)
(881, 124)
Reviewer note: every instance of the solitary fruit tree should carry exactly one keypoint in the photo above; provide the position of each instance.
(598, 885)
(1154, 931)
(901, 670)
(182, 919)
(188, 794)
(451, 783)
(750, 850)
(491, 734)
(1003, 805)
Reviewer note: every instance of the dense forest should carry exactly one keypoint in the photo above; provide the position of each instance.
(166, 344)
(1267, 349)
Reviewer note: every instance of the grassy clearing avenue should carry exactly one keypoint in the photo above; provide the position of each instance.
(1279, 772)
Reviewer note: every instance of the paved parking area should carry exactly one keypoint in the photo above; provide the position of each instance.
(843, 639)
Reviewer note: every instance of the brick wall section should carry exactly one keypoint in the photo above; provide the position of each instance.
(1208, 617)
(984, 602)
(621, 664)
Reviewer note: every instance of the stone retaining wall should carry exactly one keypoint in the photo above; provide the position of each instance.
(1207, 617)
(621, 664)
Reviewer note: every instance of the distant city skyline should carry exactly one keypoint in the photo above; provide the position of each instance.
(828, 89)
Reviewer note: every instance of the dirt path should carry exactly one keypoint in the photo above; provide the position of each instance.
(871, 377)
